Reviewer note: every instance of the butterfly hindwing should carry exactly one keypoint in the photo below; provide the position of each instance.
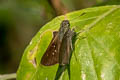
(51, 56)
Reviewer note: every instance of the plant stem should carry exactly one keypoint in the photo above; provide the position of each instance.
(8, 76)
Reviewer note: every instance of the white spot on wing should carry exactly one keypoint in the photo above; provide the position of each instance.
(53, 53)
(54, 46)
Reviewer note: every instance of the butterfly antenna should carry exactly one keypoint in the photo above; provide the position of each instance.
(78, 16)
(58, 19)
(65, 17)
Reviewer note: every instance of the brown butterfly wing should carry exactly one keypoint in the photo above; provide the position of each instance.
(66, 48)
(51, 56)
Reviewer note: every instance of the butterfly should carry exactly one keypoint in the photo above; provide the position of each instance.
(60, 46)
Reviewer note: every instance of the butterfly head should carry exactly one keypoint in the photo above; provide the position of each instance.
(65, 24)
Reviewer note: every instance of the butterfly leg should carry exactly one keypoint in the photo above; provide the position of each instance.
(71, 36)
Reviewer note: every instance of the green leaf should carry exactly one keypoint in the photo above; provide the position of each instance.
(97, 54)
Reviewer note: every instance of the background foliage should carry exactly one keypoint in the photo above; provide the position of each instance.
(97, 54)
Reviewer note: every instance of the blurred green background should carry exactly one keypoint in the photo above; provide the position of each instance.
(21, 19)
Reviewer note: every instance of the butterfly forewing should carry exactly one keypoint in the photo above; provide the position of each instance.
(51, 55)
(66, 48)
